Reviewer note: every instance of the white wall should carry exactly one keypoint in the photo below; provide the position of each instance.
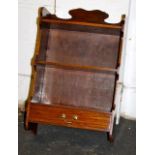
(27, 35)
(114, 7)
(128, 74)
(28, 12)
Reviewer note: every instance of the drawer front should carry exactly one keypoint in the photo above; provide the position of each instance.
(70, 117)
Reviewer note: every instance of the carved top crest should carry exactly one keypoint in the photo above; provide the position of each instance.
(81, 15)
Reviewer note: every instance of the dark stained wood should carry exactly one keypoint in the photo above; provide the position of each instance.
(33, 127)
(75, 71)
(110, 137)
(77, 67)
(98, 50)
(80, 16)
(81, 28)
(81, 20)
(75, 88)
(58, 21)
(87, 119)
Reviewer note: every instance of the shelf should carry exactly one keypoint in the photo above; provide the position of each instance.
(110, 26)
(76, 67)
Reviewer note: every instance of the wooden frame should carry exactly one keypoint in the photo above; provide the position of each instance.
(91, 26)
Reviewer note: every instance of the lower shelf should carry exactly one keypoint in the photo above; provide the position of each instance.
(69, 117)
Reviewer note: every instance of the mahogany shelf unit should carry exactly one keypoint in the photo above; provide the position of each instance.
(75, 71)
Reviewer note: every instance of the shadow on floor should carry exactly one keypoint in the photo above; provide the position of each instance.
(54, 140)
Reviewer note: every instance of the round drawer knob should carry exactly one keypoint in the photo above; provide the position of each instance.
(63, 116)
(75, 117)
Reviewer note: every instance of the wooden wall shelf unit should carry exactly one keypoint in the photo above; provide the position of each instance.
(75, 71)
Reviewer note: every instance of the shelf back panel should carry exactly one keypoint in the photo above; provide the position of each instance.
(74, 88)
(79, 48)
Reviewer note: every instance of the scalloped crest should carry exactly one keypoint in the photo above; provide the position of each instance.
(81, 15)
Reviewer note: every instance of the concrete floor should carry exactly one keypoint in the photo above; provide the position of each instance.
(54, 140)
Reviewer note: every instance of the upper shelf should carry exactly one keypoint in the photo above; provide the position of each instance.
(76, 67)
(81, 17)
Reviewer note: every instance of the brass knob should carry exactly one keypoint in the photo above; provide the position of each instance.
(75, 117)
(63, 116)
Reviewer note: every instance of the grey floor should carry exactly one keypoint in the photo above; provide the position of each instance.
(54, 140)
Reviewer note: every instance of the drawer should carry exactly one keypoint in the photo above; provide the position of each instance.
(70, 117)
